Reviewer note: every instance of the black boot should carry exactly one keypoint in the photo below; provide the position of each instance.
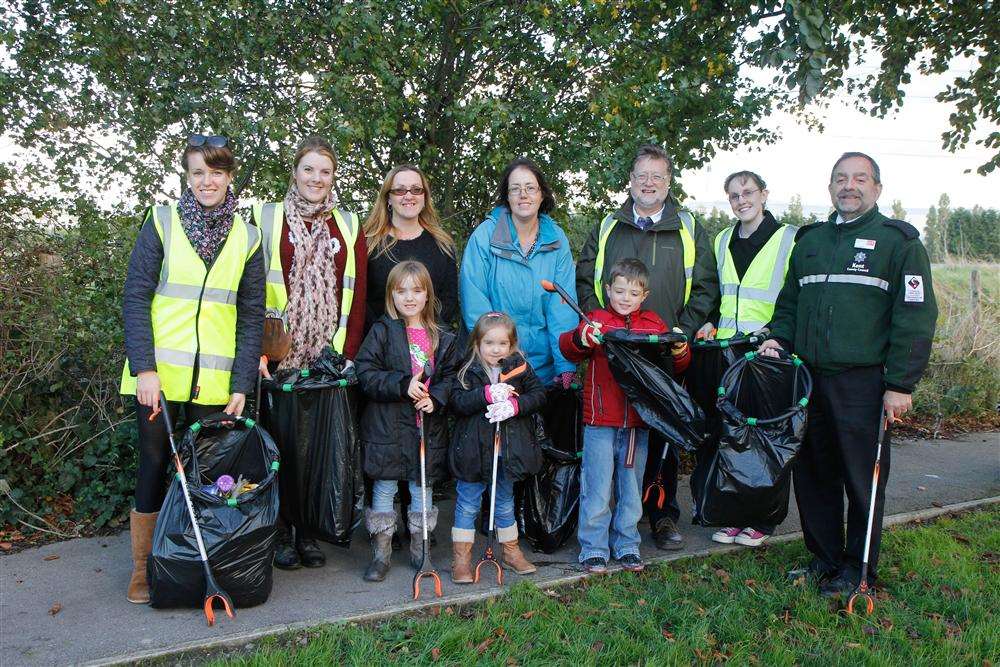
(285, 555)
(310, 552)
(381, 526)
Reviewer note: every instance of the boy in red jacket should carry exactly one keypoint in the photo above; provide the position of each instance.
(615, 437)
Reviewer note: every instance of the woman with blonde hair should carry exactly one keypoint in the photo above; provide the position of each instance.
(403, 225)
(316, 259)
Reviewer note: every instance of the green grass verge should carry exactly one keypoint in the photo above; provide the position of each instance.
(941, 593)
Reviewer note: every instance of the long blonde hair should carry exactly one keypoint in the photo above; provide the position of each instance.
(428, 316)
(378, 225)
(486, 323)
(312, 144)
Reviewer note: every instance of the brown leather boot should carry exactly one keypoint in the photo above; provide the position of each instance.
(141, 528)
(512, 556)
(461, 555)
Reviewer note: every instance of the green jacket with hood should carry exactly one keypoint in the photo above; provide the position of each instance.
(660, 249)
(859, 294)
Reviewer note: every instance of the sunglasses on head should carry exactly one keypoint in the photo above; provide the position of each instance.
(213, 140)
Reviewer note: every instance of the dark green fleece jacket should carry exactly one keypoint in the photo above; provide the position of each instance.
(859, 294)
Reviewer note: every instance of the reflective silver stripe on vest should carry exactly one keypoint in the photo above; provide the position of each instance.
(844, 278)
(343, 320)
(689, 272)
(252, 233)
(164, 215)
(266, 232)
(746, 326)
(348, 282)
(192, 292)
(688, 221)
(274, 276)
(777, 272)
(721, 249)
(215, 362)
(348, 219)
(729, 289)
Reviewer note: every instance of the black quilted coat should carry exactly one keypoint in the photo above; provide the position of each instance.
(389, 433)
(471, 453)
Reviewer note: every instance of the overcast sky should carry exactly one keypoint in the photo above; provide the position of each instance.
(907, 146)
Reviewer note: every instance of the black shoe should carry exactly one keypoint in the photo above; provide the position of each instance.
(285, 555)
(817, 571)
(632, 563)
(595, 565)
(665, 535)
(310, 553)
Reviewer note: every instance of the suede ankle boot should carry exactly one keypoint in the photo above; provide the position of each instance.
(381, 526)
(141, 525)
(461, 555)
(512, 556)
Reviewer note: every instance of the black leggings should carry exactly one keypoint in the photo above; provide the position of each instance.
(154, 450)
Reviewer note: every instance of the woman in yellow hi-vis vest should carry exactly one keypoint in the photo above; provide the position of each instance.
(193, 307)
(751, 258)
(316, 261)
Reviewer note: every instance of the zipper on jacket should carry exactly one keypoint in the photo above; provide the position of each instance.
(628, 327)
(196, 371)
(822, 294)
(829, 324)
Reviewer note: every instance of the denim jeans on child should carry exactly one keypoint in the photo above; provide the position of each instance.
(384, 492)
(604, 451)
(470, 497)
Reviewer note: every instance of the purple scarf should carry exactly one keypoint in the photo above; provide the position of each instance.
(206, 230)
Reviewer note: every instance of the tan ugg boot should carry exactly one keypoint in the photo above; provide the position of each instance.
(512, 556)
(461, 555)
(141, 527)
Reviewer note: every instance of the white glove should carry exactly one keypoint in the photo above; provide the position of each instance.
(498, 412)
(500, 392)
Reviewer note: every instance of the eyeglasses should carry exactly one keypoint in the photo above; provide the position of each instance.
(659, 179)
(746, 194)
(529, 190)
(415, 190)
(214, 140)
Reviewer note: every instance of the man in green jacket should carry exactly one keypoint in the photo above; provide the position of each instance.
(858, 307)
(683, 285)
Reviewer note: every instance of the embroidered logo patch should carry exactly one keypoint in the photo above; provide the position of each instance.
(860, 263)
(914, 289)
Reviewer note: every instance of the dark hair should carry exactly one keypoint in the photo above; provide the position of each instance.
(876, 172)
(217, 157)
(744, 176)
(653, 152)
(632, 270)
(548, 199)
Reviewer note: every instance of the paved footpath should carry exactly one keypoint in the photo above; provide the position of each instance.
(96, 625)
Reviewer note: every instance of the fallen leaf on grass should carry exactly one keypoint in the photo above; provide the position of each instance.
(886, 624)
(960, 538)
(500, 632)
(55, 609)
(912, 633)
(449, 610)
(786, 615)
(51, 557)
(485, 644)
(750, 583)
(669, 636)
(435, 654)
(6, 546)
(528, 614)
(641, 602)
(722, 574)
(937, 503)
(597, 647)
(799, 581)
(435, 610)
(870, 630)
(990, 557)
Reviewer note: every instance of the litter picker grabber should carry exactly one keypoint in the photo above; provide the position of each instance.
(212, 589)
(550, 286)
(426, 568)
(863, 591)
(657, 482)
(488, 555)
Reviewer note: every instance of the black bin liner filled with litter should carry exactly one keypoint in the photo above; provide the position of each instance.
(232, 472)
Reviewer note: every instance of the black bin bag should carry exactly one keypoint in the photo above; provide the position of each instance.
(549, 501)
(745, 481)
(638, 363)
(239, 534)
(311, 413)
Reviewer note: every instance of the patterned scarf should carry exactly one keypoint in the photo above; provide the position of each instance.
(312, 281)
(206, 230)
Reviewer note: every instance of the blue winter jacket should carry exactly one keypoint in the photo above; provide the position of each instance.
(496, 275)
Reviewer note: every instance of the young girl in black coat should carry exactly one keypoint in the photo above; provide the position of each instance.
(391, 371)
(480, 401)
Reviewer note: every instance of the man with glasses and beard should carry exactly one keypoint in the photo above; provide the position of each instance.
(858, 307)
(683, 287)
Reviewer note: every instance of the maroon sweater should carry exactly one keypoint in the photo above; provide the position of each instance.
(356, 318)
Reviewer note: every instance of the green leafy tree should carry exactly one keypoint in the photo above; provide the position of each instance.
(898, 211)
(974, 234)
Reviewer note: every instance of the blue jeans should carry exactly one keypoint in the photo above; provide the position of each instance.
(470, 496)
(604, 452)
(384, 492)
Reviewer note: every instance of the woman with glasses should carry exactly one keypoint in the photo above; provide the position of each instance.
(193, 307)
(403, 225)
(317, 260)
(514, 248)
(751, 259)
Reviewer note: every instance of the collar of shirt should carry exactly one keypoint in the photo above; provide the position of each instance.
(655, 217)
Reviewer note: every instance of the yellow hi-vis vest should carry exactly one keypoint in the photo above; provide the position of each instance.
(687, 241)
(747, 306)
(271, 218)
(194, 312)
